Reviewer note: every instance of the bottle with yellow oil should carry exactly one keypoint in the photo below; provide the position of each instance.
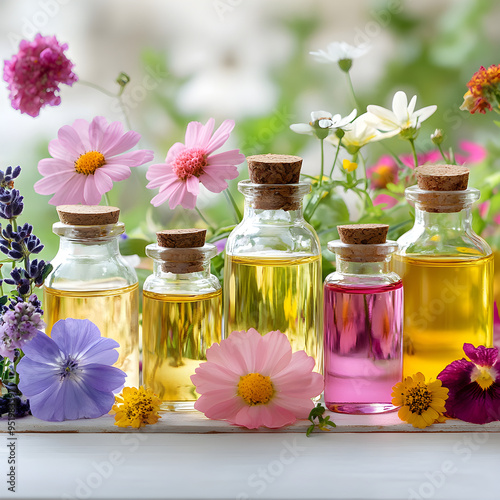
(181, 315)
(272, 270)
(91, 280)
(447, 273)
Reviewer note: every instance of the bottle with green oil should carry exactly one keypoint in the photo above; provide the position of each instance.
(91, 280)
(447, 273)
(181, 316)
(272, 271)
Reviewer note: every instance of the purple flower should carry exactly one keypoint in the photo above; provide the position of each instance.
(69, 376)
(35, 72)
(19, 325)
(474, 386)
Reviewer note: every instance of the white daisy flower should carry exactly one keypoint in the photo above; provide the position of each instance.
(341, 53)
(326, 121)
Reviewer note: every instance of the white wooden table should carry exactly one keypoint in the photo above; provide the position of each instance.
(186, 456)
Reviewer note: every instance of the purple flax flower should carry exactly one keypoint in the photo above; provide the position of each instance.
(19, 325)
(69, 376)
(474, 386)
(35, 72)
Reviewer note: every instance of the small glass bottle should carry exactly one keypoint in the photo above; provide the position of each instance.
(272, 271)
(363, 322)
(447, 272)
(91, 280)
(181, 316)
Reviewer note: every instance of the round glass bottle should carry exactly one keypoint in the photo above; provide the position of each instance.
(272, 271)
(447, 272)
(91, 280)
(363, 322)
(181, 316)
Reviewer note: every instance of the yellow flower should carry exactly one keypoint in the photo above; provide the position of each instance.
(136, 407)
(422, 404)
(350, 166)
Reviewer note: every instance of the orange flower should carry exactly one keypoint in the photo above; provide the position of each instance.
(483, 90)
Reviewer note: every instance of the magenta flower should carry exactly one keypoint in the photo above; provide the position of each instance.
(189, 164)
(35, 72)
(87, 158)
(474, 386)
(253, 380)
(69, 376)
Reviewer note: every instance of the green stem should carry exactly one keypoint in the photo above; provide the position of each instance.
(335, 159)
(443, 155)
(106, 199)
(322, 142)
(365, 177)
(124, 110)
(234, 205)
(204, 219)
(97, 87)
(351, 88)
(415, 157)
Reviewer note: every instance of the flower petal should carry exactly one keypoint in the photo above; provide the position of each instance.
(481, 356)
(221, 135)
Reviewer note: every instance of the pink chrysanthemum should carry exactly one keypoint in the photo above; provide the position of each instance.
(35, 72)
(474, 385)
(87, 158)
(253, 380)
(189, 164)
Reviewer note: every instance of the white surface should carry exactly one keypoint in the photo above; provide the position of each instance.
(182, 466)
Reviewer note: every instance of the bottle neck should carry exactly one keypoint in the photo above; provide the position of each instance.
(89, 248)
(457, 221)
(163, 270)
(372, 268)
(273, 216)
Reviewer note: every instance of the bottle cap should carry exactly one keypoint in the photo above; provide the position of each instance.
(181, 238)
(88, 215)
(274, 169)
(442, 177)
(363, 234)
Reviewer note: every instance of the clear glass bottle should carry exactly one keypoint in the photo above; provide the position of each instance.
(363, 322)
(272, 271)
(447, 273)
(91, 280)
(181, 316)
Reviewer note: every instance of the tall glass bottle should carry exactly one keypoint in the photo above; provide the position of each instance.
(91, 280)
(181, 316)
(272, 271)
(363, 322)
(447, 273)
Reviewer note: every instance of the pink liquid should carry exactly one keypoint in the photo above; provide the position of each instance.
(363, 346)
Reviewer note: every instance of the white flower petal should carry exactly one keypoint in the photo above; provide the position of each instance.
(411, 106)
(424, 113)
(325, 123)
(319, 115)
(302, 128)
(400, 108)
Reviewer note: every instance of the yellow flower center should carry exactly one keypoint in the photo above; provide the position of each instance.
(255, 389)
(89, 162)
(484, 376)
(418, 399)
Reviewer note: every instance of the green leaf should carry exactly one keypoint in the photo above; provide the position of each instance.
(133, 246)
(309, 430)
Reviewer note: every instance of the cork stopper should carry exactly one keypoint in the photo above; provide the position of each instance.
(274, 169)
(363, 234)
(181, 238)
(183, 257)
(87, 215)
(442, 177)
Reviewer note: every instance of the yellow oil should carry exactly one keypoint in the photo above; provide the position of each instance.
(115, 312)
(448, 302)
(276, 294)
(177, 330)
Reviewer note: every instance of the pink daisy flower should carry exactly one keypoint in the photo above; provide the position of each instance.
(189, 164)
(253, 380)
(87, 158)
(474, 386)
(35, 72)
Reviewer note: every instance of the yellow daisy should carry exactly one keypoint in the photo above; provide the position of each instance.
(136, 407)
(422, 404)
(350, 166)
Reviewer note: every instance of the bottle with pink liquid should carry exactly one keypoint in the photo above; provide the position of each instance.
(363, 322)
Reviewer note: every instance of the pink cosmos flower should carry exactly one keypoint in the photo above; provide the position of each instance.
(253, 380)
(35, 72)
(385, 171)
(87, 158)
(474, 386)
(385, 199)
(189, 164)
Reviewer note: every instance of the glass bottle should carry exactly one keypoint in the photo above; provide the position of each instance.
(272, 271)
(181, 317)
(363, 322)
(447, 272)
(91, 280)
